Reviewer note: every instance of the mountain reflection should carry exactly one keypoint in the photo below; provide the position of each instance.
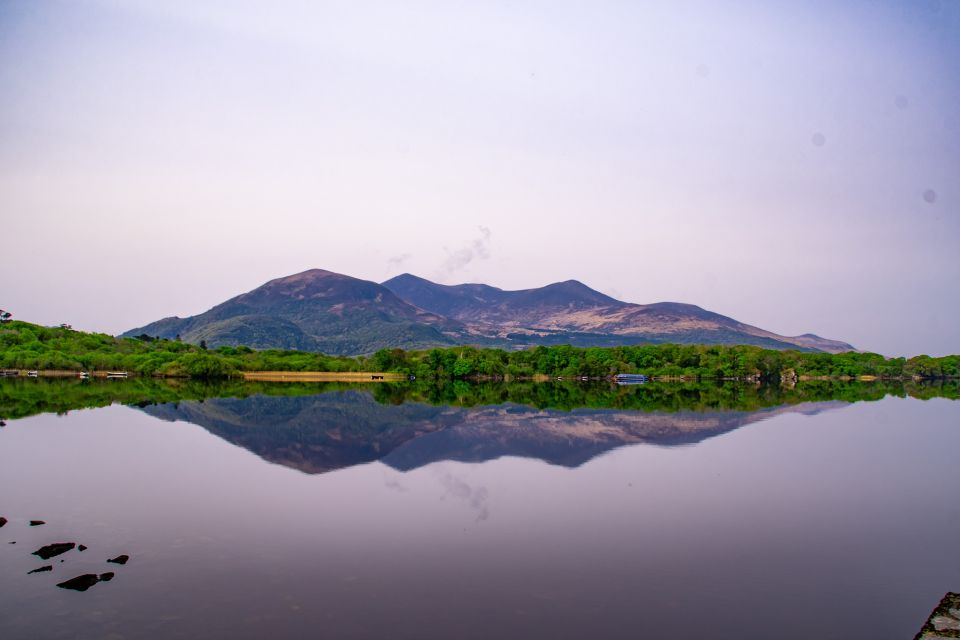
(321, 427)
(339, 429)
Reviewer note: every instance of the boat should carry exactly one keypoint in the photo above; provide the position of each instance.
(9, 373)
(84, 375)
(117, 374)
(630, 378)
(33, 374)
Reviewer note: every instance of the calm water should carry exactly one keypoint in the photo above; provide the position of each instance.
(338, 515)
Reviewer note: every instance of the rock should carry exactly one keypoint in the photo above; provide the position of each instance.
(122, 559)
(55, 549)
(36, 523)
(944, 621)
(12, 542)
(45, 567)
(3, 521)
(82, 547)
(80, 583)
(106, 577)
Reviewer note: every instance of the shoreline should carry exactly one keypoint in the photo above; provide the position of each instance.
(384, 376)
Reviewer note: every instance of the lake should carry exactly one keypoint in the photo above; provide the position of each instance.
(525, 511)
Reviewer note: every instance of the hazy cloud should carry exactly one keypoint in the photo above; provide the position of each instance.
(476, 499)
(395, 261)
(395, 485)
(478, 249)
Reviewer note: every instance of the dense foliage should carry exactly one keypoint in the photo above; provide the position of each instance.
(29, 346)
(662, 360)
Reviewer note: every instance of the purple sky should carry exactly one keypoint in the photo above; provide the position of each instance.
(793, 165)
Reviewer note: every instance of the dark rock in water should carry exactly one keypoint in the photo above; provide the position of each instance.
(82, 547)
(36, 523)
(13, 542)
(3, 521)
(119, 559)
(106, 577)
(80, 583)
(46, 567)
(54, 549)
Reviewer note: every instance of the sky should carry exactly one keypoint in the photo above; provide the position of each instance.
(794, 165)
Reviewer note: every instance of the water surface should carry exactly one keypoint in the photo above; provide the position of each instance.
(377, 513)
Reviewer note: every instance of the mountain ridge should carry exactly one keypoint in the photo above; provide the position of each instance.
(320, 310)
(541, 311)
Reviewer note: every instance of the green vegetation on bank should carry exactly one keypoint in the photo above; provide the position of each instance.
(661, 360)
(28, 346)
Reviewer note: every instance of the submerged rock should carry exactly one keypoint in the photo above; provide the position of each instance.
(46, 567)
(55, 549)
(80, 583)
(3, 521)
(37, 523)
(82, 547)
(121, 559)
(87, 580)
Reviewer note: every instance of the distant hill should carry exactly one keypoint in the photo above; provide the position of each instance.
(573, 312)
(320, 310)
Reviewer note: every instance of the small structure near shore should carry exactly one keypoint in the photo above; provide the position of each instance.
(630, 378)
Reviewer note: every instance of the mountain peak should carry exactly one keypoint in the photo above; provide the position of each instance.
(310, 275)
(572, 292)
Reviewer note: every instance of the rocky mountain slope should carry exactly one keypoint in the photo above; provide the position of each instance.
(573, 312)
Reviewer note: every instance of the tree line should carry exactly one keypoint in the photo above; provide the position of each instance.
(28, 346)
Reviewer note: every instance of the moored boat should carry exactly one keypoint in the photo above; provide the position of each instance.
(630, 378)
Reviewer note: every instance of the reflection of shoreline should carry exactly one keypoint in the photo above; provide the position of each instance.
(322, 433)
(20, 398)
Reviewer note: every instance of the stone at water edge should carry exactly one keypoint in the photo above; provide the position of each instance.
(82, 547)
(52, 550)
(3, 521)
(37, 523)
(121, 559)
(944, 621)
(46, 567)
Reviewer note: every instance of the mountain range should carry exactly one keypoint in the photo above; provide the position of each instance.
(319, 310)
